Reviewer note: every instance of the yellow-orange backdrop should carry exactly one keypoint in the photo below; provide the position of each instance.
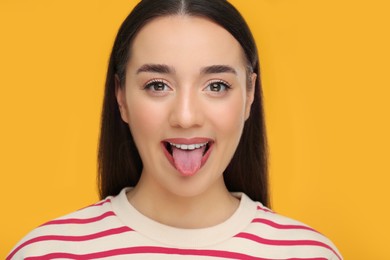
(325, 71)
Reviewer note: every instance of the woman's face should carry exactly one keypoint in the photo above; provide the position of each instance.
(185, 101)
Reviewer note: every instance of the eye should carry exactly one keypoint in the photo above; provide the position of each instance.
(157, 86)
(218, 87)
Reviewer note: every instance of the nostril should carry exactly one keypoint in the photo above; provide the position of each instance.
(186, 112)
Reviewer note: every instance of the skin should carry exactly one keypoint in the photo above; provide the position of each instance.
(184, 106)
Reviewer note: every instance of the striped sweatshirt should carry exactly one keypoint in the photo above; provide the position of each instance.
(113, 229)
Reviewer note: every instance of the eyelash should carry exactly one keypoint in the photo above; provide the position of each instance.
(160, 83)
(156, 82)
(225, 84)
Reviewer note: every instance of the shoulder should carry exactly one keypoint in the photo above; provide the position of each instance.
(269, 230)
(83, 224)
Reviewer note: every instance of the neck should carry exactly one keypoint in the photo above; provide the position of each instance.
(206, 209)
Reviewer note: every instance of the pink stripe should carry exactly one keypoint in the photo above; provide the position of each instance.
(105, 233)
(281, 226)
(264, 209)
(101, 203)
(97, 204)
(79, 221)
(158, 250)
(285, 242)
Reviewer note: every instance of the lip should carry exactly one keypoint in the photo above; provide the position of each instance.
(196, 140)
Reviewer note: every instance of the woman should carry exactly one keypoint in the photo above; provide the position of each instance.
(182, 157)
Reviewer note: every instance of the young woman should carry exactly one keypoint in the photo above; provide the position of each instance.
(183, 169)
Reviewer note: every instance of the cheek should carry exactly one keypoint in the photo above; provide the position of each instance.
(145, 119)
(229, 117)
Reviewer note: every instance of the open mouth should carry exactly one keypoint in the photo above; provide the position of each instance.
(185, 156)
(190, 147)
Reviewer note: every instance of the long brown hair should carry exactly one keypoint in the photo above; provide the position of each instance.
(118, 159)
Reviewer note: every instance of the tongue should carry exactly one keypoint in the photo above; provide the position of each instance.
(187, 162)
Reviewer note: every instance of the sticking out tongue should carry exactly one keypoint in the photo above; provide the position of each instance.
(188, 162)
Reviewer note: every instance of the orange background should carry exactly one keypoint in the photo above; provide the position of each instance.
(325, 71)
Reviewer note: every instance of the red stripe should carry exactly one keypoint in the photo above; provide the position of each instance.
(281, 226)
(97, 204)
(158, 250)
(105, 233)
(264, 209)
(285, 242)
(79, 221)
(101, 203)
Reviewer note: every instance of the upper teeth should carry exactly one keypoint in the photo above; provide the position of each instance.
(188, 146)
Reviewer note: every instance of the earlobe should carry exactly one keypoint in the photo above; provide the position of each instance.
(250, 95)
(120, 94)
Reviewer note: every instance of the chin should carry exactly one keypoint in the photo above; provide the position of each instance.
(196, 185)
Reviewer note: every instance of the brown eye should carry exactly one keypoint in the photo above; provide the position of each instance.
(215, 87)
(218, 86)
(157, 86)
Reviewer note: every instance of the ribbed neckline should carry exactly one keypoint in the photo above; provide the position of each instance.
(190, 238)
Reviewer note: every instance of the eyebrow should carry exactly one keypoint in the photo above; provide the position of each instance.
(156, 68)
(165, 69)
(218, 69)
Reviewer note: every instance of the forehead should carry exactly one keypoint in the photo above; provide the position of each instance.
(184, 40)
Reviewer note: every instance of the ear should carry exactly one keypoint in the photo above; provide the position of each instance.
(250, 94)
(120, 93)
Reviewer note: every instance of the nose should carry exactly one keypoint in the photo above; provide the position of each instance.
(186, 111)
